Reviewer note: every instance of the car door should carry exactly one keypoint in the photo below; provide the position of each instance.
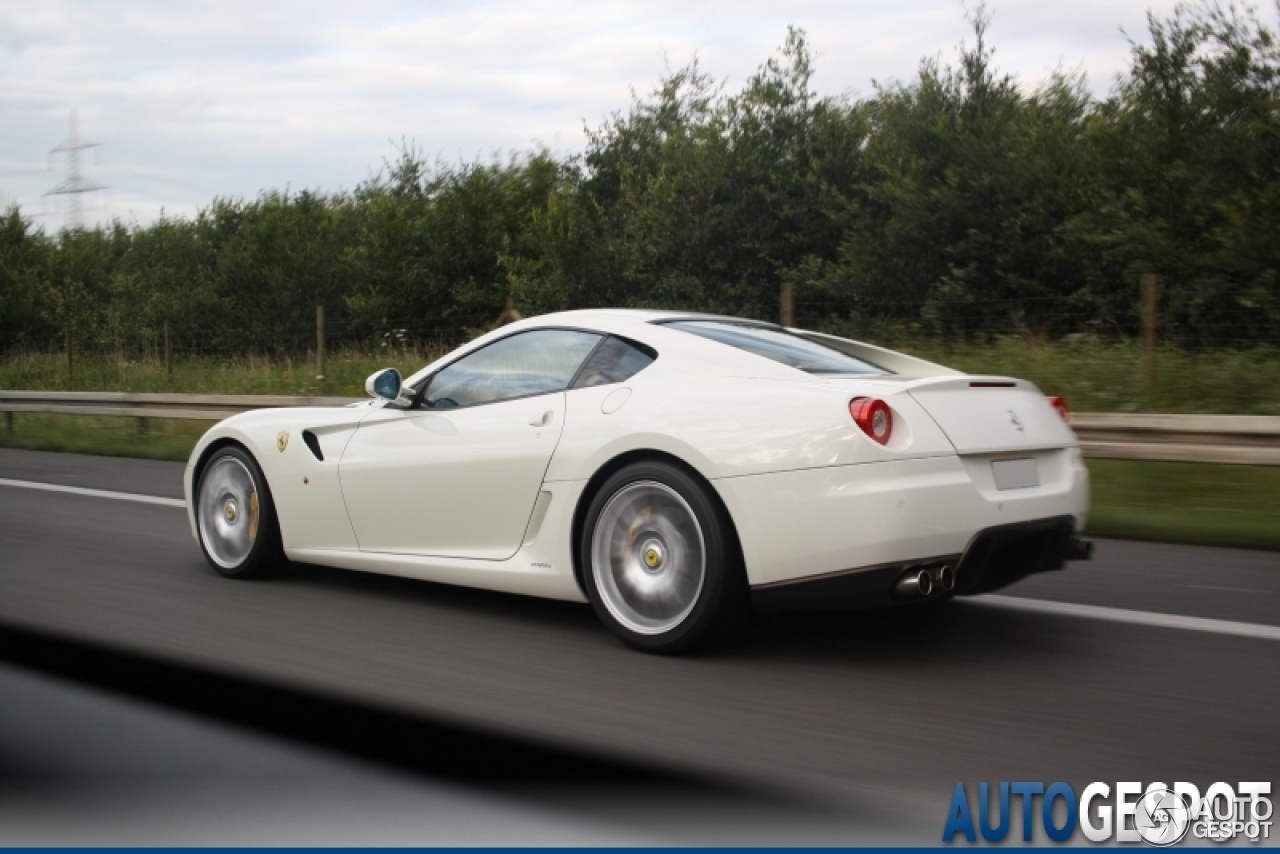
(458, 476)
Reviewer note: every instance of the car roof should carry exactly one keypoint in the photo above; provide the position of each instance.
(606, 318)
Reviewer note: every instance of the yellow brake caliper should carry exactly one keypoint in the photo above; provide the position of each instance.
(253, 517)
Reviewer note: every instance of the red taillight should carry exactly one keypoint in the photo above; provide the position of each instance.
(1060, 405)
(873, 416)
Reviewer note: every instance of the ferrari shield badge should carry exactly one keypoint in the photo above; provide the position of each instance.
(282, 441)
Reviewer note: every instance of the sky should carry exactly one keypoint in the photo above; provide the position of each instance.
(195, 100)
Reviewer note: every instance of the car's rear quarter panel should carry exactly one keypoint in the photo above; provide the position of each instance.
(735, 426)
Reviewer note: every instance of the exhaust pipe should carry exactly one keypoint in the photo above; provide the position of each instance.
(945, 579)
(1080, 549)
(914, 583)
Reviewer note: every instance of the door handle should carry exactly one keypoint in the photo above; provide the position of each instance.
(541, 420)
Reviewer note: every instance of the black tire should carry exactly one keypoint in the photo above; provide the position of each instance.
(613, 550)
(263, 550)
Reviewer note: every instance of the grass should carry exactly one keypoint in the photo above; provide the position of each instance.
(112, 437)
(344, 375)
(1190, 503)
(1093, 375)
(1165, 502)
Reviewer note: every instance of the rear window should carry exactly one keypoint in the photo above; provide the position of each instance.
(778, 345)
(614, 361)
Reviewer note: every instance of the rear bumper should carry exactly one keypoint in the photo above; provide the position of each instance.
(999, 556)
(994, 558)
(818, 522)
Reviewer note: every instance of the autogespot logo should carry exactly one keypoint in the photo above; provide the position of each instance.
(1162, 817)
(1158, 815)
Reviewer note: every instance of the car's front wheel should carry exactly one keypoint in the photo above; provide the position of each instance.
(235, 516)
(660, 565)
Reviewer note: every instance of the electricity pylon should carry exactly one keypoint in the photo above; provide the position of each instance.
(75, 185)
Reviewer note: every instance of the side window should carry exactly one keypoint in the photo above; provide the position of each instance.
(536, 362)
(614, 361)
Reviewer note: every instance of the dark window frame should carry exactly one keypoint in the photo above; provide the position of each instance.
(636, 345)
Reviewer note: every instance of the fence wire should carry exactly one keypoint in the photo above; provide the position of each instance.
(976, 322)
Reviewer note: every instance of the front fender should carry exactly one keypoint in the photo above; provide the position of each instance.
(305, 489)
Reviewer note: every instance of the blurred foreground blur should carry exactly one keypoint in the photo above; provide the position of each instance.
(84, 767)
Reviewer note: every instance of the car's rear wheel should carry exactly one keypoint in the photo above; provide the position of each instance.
(660, 567)
(235, 516)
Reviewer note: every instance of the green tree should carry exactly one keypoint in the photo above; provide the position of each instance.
(960, 222)
(21, 263)
(1190, 144)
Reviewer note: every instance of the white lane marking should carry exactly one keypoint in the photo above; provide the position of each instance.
(1137, 618)
(95, 493)
(1227, 589)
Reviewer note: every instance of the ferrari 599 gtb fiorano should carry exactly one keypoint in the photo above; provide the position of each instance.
(674, 470)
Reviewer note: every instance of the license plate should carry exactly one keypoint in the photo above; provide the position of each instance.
(1015, 474)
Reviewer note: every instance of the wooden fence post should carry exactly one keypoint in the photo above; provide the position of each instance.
(319, 342)
(788, 304)
(1150, 286)
(509, 314)
(70, 362)
(168, 353)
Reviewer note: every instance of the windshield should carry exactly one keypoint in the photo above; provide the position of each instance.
(778, 345)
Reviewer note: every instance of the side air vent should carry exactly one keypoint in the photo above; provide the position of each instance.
(313, 443)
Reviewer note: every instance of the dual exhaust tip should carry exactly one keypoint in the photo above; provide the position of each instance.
(1080, 549)
(920, 583)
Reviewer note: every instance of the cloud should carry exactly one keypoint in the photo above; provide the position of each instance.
(233, 97)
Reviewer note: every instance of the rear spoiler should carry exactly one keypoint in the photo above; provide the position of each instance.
(900, 364)
(976, 382)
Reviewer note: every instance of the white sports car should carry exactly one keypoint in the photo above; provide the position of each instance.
(674, 470)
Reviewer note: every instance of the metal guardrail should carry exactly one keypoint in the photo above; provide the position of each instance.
(1228, 439)
(1252, 440)
(192, 407)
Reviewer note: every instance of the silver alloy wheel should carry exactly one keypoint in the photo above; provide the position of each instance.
(227, 510)
(648, 557)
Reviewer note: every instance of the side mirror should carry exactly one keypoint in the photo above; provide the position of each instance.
(387, 385)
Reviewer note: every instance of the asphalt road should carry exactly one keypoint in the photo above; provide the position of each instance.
(878, 714)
